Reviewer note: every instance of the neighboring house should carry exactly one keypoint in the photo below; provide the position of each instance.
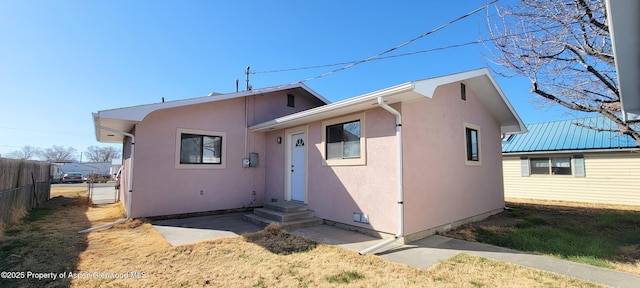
(101, 168)
(86, 168)
(563, 161)
(410, 159)
(78, 167)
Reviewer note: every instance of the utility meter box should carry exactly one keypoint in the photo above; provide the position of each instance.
(253, 159)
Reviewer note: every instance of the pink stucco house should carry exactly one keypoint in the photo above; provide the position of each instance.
(406, 161)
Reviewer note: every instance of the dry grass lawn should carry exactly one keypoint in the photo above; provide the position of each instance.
(135, 255)
(69, 192)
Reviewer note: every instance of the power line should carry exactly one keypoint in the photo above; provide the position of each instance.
(480, 41)
(401, 45)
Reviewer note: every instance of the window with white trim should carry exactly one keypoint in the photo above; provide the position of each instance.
(561, 165)
(551, 166)
(344, 141)
(200, 149)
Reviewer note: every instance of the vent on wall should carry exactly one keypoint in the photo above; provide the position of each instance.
(291, 100)
(360, 217)
(463, 92)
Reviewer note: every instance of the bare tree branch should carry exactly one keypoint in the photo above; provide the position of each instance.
(58, 154)
(564, 48)
(596, 128)
(26, 152)
(102, 154)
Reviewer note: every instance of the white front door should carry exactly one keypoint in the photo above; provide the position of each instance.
(298, 167)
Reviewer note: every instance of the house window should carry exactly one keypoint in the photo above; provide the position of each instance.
(472, 145)
(551, 166)
(539, 166)
(344, 140)
(200, 149)
(291, 100)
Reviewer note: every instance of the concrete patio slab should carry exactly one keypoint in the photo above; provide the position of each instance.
(191, 230)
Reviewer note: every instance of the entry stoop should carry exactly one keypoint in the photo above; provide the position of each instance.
(289, 215)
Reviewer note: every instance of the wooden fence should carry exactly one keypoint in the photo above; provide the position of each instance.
(24, 184)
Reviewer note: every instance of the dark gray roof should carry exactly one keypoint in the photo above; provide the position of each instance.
(565, 135)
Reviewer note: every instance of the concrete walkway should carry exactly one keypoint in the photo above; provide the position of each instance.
(421, 254)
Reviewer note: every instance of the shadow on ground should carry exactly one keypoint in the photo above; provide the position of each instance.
(45, 244)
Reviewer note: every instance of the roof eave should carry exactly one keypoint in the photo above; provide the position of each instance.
(342, 107)
(571, 151)
(623, 25)
(125, 118)
(482, 80)
(510, 122)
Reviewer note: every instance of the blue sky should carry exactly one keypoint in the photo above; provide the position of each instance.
(62, 60)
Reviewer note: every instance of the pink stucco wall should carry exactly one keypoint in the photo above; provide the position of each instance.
(336, 192)
(124, 176)
(265, 107)
(162, 189)
(438, 187)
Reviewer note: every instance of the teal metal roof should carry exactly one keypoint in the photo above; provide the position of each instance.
(564, 135)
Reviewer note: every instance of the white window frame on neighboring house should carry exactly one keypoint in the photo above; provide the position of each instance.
(552, 166)
(200, 165)
(352, 160)
(468, 144)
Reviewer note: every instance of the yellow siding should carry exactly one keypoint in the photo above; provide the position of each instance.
(611, 178)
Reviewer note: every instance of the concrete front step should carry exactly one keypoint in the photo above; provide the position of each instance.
(285, 206)
(283, 216)
(288, 225)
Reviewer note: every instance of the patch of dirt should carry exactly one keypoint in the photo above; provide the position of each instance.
(279, 241)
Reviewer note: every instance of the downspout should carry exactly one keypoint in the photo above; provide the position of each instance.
(130, 176)
(399, 182)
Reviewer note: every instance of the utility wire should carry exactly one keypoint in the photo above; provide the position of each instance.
(401, 45)
(480, 41)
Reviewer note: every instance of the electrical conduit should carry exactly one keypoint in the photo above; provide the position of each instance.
(399, 183)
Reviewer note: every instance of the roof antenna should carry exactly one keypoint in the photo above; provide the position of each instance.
(247, 72)
(162, 99)
(237, 81)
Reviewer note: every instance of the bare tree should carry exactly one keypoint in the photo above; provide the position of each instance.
(564, 48)
(58, 154)
(102, 154)
(26, 152)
